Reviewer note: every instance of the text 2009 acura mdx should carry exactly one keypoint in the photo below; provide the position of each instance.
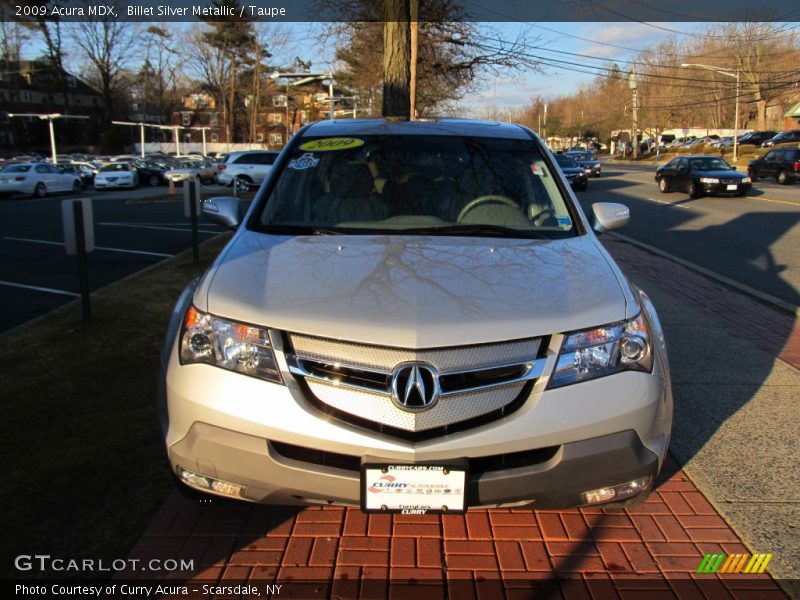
(416, 316)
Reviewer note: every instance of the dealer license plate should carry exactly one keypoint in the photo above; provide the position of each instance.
(732, 186)
(413, 489)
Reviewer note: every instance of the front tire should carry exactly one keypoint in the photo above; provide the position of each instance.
(783, 177)
(663, 185)
(153, 180)
(694, 191)
(40, 191)
(77, 188)
(242, 184)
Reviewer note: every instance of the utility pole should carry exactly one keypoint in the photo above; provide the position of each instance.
(635, 112)
(544, 131)
(736, 75)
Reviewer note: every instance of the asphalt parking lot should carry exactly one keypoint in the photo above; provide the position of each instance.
(134, 229)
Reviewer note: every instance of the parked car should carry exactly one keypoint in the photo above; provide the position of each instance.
(150, 173)
(755, 138)
(589, 164)
(83, 175)
(116, 174)
(185, 169)
(572, 171)
(781, 163)
(247, 168)
(701, 176)
(418, 306)
(784, 137)
(37, 179)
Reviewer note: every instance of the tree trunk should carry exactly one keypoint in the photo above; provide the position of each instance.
(396, 59)
(762, 114)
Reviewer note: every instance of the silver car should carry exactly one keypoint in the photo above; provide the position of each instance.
(186, 169)
(416, 317)
(246, 169)
(37, 179)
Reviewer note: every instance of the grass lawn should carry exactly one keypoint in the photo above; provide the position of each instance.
(85, 468)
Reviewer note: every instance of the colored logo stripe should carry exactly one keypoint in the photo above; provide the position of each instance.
(734, 563)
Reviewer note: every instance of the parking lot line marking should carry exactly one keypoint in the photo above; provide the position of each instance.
(39, 289)
(673, 204)
(155, 227)
(106, 248)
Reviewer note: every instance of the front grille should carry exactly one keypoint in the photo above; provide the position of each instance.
(353, 382)
(477, 466)
(730, 181)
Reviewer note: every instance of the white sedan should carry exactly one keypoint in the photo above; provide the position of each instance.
(116, 174)
(37, 179)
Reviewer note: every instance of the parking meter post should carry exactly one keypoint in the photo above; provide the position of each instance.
(193, 191)
(83, 268)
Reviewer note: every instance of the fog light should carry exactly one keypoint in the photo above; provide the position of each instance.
(616, 492)
(595, 496)
(204, 482)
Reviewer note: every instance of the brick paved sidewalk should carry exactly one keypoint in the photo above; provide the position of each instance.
(649, 551)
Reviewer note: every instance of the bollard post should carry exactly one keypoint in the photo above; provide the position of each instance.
(83, 269)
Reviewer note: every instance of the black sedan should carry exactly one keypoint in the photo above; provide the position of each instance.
(587, 161)
(150, 173)
(572, 171)
(700, 176)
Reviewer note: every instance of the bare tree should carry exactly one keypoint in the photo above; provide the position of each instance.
(107, 45)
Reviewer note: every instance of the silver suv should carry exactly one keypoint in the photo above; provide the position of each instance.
(246, 169)
(416, 317)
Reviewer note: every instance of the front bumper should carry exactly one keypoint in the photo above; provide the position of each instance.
(101, 184)
(721, 189)
(576, 438)
(551, 479)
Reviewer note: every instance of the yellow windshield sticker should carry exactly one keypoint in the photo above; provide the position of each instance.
(327, 144)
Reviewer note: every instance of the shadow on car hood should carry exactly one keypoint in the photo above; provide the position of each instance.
(415, 291)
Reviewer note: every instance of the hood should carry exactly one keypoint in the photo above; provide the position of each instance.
(414, 291)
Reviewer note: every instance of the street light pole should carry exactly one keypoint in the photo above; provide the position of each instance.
(729, 73)
(50, 119)
(330, 92)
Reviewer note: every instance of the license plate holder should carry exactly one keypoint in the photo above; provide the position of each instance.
(413, 489)
(732, 187)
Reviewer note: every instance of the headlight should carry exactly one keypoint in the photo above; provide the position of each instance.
(745, 180)
(709, 180)
(227, 344)
(602, 351)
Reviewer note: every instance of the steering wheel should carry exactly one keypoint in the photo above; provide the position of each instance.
(472, 204)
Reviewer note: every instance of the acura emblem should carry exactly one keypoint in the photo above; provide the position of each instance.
(415, 386)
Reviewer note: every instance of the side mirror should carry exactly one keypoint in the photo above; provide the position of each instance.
(609, 215)
(223, 210)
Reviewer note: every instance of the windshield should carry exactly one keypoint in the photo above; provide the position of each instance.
(418, 184)
(581, 155)
(115, 167)
(708, 164)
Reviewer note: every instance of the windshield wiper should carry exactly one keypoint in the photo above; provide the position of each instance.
(299, 230)
(477, 230)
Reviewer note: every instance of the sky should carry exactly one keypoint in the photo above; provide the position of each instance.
(553, 41)
(606, 41)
